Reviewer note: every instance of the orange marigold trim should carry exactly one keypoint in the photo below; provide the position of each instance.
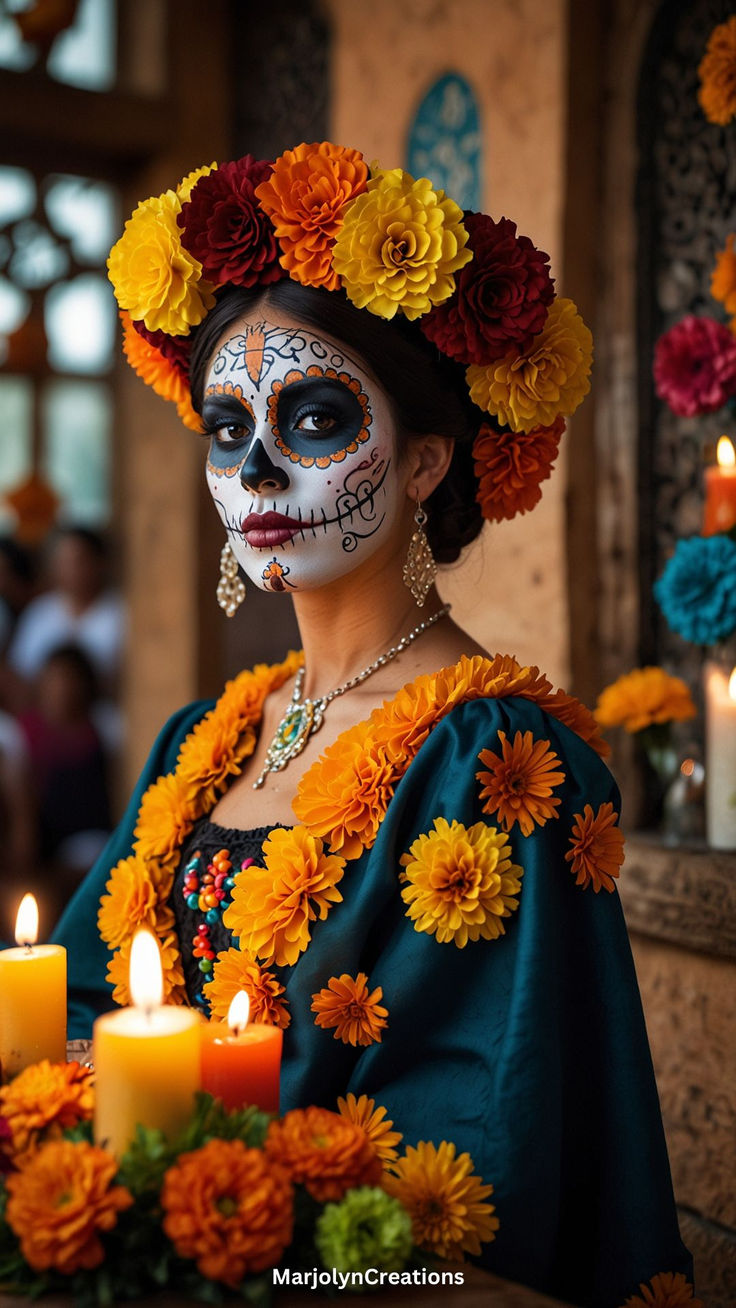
(119, 968)
(165, 818)
(42, 1101)
(667, 1290)
(343, 797)
(230, 1208)
(519, 784)
(377, 1126)
(445, 1200)
(323, 1151)
(723, 277)
(213, 752)
(131, 901)
(235, 970)
(717, 72)
(596, 848)
(347, 1005)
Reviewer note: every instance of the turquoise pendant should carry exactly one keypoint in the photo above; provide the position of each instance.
(292, 734)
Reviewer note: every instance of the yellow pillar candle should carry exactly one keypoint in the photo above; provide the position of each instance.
(146, 1058)
(32, 997)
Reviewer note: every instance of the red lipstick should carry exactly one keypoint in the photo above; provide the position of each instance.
(262, 530)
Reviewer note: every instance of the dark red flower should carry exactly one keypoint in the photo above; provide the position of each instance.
(225, 227)
(6, 1153)
(510, 465)
(501, 297)
(695, 366)
(176, 349)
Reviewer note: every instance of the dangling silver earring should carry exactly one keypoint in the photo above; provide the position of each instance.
(230, 588)
(420, 568)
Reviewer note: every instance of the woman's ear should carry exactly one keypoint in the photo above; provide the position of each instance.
(429, 459)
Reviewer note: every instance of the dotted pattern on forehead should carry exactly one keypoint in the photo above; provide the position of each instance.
(227, 388)
(337, 456)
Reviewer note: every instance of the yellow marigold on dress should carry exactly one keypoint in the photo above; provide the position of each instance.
(323, 1151)
(353, 1010)
(519, 784)
(130, 902)
(667, 1290)
(445, 1200)
(344, 795)
(119, 967)
(305, 198)
(643, 697)
(42, 1101)
(228, 1207)
(596, 848)
(165, 818)
(273, 907)
(399, 246)
(550, 378)
(213, 752)
(60, 1201)
(717, 72)
(461, 882)
(236, 970)
(373, 1121)
(153, 276)
(723, 277)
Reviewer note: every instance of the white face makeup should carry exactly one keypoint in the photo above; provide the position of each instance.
(301, 464)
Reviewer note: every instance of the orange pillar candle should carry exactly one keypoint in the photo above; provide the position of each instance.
(146, 1057)
(32, 997)
(720, 491)
(241, 1062)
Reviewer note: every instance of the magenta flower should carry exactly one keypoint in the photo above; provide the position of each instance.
(695, 366)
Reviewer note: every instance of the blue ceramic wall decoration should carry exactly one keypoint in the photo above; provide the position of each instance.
(445, 140)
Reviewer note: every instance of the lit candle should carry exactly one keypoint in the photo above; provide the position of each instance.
(241, 1062)
(32, 997)
(146, 1057)
(720, 758)
(720, 490)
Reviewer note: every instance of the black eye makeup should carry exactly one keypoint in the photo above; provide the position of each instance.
(229, 422)
(319, 412)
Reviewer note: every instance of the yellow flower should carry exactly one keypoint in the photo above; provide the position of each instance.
(165, 818)
(131, 901)
(717, 72)
(445, 1200)
(153, 276)
(549, 378)
(213, 752)
(118, 971)
(42, 1101)
(461, 882)
(377, 1126)
(356, 1013)
(399, 246)
(643, 697)
(667, 1290)
(235, 970)
(188, 183)
(723, 277)
(273, 906)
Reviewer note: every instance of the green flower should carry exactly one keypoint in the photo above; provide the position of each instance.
(368, 1228)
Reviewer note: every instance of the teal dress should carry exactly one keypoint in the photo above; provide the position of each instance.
(529, 1050)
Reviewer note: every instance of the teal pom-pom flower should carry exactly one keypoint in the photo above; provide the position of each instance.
(697, 590)
(368, 1228)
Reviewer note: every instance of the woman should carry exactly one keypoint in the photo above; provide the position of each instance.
(394, 842)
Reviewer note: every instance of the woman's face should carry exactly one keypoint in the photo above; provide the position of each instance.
(302, 456)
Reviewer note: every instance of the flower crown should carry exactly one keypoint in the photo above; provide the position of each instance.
(394, 244)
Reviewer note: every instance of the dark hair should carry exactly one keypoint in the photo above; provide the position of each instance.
(77, 662)
(93, 541)
(428, 391)
(19, 560)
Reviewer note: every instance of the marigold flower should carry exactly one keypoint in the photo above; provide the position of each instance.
(695, 366)
(344, 795)
(460, 882)
(445, 1200)
(213, 752)
(189, 181)
(355, 1013)
(165, 818)
(323, 1152)
(60, 1201)
(226, 229)
(235, 970)
(228, 1207)
(510, 467)
(363, 1112)
(305, 198)
(549, 378)
(42, 1101)
(399, 246)
(519, 784)
(368, 1228)
(723, 277)
(118, 971)
(150, 364)
(130, 902)
(272, 910)
(577, 717)
(596, 848)
(642, 697)
(153, 276)
(667, 1290)
(717, 73)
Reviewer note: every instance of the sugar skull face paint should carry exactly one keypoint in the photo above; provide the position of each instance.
(301, 462)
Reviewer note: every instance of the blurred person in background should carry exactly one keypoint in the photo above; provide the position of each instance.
(16, 586)
(17, 823)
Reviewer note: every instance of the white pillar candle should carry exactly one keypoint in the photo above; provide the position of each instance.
(720, 759)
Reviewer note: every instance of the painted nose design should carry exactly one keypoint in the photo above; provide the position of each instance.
(259, 474)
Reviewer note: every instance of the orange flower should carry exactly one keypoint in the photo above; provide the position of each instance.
(150, 364)
(519, 785)
(323, 1151)
(305, 198)
(214, 751)
(717, 72)
(346, 1004)
(165, 818)
(344, 795)
(271, 911)
(723, 277)
(42, 1101)
(236, 970)
(577, 717)
(119, 968)
(596, 848)
(60, 1201)
(230, 1208)
(130, 902)
(460, 882)
(667, 1290)
(510, 467)
(642, 697)
(373, 1121)
(445, 1201)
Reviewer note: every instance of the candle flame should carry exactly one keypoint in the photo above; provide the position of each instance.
(26, 923)
(732, 685)
(725, 453)
(238, 1012)
(146, 980)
